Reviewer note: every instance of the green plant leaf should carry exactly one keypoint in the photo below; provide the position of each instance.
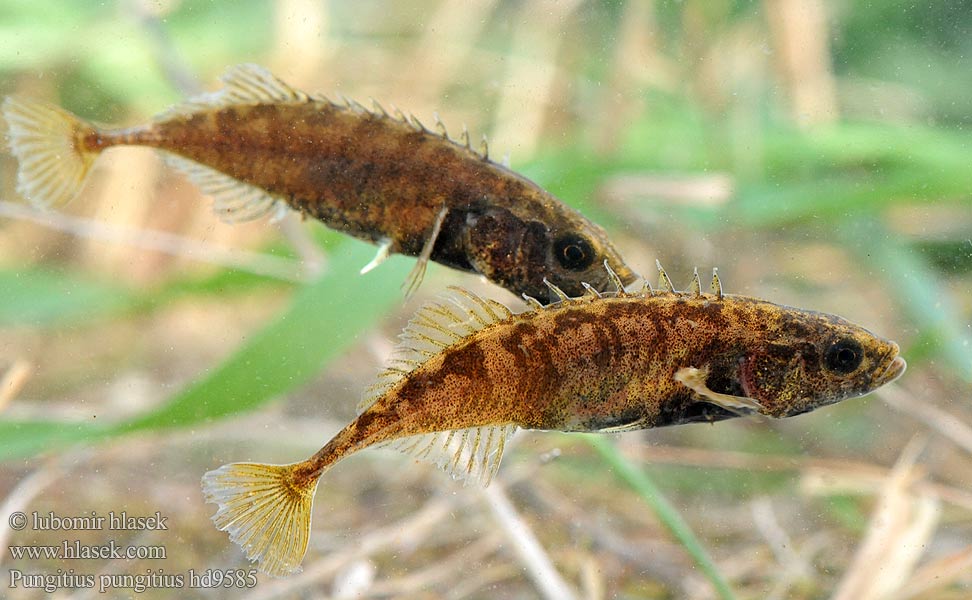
(669, 516)
(323, 319)
(42, 298)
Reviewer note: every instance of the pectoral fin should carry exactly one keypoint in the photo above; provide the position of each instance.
(694, 379)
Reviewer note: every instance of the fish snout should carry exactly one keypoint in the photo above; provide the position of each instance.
(893, 366)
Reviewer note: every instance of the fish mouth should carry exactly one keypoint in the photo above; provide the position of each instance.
(893, 367)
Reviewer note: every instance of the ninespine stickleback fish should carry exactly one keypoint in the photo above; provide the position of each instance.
(469, 372)
(259, 146)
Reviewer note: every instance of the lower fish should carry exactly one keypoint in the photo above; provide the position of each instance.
(469, 373)
(261, 147)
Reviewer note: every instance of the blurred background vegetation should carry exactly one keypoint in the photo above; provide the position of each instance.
(819, 153)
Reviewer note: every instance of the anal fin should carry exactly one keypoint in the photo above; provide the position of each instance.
(694, 379)
(233, 200)
(472, 455)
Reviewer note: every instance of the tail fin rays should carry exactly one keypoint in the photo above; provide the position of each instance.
(45, 139)
(266, 509)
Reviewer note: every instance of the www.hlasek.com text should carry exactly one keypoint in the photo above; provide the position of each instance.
(75, 550)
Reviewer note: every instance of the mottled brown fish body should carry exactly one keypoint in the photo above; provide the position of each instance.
(361, 173)
(387, 180)
(611, 364)
(469, 373)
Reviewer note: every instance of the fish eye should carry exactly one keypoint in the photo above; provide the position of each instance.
(573, 252)
(844, 356)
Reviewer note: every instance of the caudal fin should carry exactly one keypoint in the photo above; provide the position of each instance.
(266, 509)
(46, 140)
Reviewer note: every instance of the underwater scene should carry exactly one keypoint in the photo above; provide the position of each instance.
(491, 299)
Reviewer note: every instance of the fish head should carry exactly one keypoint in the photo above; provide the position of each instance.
(810, 360)
(519, 253)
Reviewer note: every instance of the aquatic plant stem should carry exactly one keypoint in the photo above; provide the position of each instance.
(532, 555)
(663, 509)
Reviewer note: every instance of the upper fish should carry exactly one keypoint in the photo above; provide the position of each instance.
(259, 147)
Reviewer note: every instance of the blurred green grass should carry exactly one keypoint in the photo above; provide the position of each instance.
(313, 330)
(44, 298)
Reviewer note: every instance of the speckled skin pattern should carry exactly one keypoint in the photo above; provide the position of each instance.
(376, 178)
(593, 364)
